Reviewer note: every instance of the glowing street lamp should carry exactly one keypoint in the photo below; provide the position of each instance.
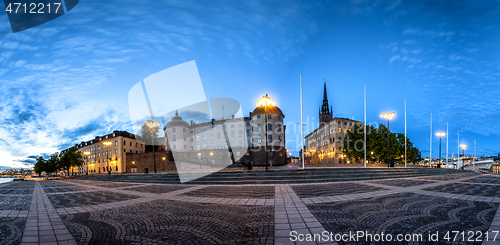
(265, 102)
(463, 148)
(153, 126)
(440, 134)
(389, 116)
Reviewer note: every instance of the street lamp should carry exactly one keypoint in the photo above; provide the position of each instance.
(440, 134)
(463, 148)
(389, 116)
(153, 126)
(265, 102)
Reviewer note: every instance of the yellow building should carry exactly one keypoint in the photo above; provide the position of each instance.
(107, 153)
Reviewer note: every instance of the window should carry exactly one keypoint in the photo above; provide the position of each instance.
(109, 152)
(116, 142)
(130, 143)
(258, 127)
(211, 136)
(270, 138)
(211, 146)
(240, 133)
(98, 147)
(125, 150)
(130, 151)
(232, 125)
(233, 144)
(197, 130)
(184, 130)
(241, 143)
(197, 138)
(218, 135)
(99, 154)
(173, 147)
(259, 139)
(345, 123)
(116, 151)
(204, 137)
(135, 144)
(269, 126)
(225, 145)
(229, 154)
(218, 126)
(279, 118)
(280, 139)
(269, 116)
(141, 145)
(173, 130)
(279, 127)
(340, 139)
(248, 143)
(124, 142)
(258, 117)
(248, 133)
(197, 147)
(248, 124)
(204, 147)
(237, 153)
(339, 122)
(173, 138)
(218, 145)
(232, 134)
(204, 129)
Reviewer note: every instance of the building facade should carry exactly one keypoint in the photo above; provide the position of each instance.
(107, 153)
(244, 138)
(325, 144)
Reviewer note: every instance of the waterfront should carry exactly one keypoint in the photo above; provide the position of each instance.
(85, 211)
(4, 180)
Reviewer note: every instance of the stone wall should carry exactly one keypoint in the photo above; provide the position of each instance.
(138, 163)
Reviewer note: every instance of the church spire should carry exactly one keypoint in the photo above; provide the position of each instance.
(325, 109)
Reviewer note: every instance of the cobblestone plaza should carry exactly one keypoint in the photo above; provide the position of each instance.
(76, 211)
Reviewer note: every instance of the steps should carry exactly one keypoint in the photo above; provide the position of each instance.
(278, 176)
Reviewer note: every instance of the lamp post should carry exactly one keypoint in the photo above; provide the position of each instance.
(265, 102)
(463, 152)
(440, 134)
(389, 116)
(153, 126)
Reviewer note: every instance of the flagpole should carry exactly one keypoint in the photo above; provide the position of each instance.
(458, 146)
(405, 134)
(302, 121)
(447, 136)
(430, 156)
(365, 127)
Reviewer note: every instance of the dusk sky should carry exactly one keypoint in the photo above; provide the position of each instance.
(67, 80)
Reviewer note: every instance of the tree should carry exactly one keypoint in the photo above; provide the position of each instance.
(376, 143)
(40, 166)
(53, 164)
(149, 133)
(71, 158)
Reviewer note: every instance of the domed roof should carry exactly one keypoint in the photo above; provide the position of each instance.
(271, 109)
(176, 121)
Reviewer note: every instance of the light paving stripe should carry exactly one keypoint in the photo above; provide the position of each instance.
(43, 224)
(291, 214)
(493, 231)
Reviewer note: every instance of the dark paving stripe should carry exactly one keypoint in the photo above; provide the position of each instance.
(157, 189)
(87, 198)
(171, 222)
(333, 189)
(15, 202)
(468, 189)
(260, 192)
(491, 179)
(405, 213)
(11, 230)
(402, 182)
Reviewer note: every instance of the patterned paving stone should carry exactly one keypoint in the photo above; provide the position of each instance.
(261, 192)
(16, 191)
(171, 222)
(15, 202)
(490, 179)
(468, 189)
(406, 213)
(11, 230)
(333, 189)
(106, 184)
(21, 184)
(54, 183)
(157, 189)
(447, 177)
(87, 198)
(402, 182)
(49, 190)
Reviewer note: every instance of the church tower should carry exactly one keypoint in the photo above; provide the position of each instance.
(325, 113)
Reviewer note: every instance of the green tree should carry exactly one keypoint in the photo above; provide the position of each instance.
(149, 132)
(40, 166)
(71, 158)
(53, 164)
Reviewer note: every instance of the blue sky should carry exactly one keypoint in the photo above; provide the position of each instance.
(67, 80)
